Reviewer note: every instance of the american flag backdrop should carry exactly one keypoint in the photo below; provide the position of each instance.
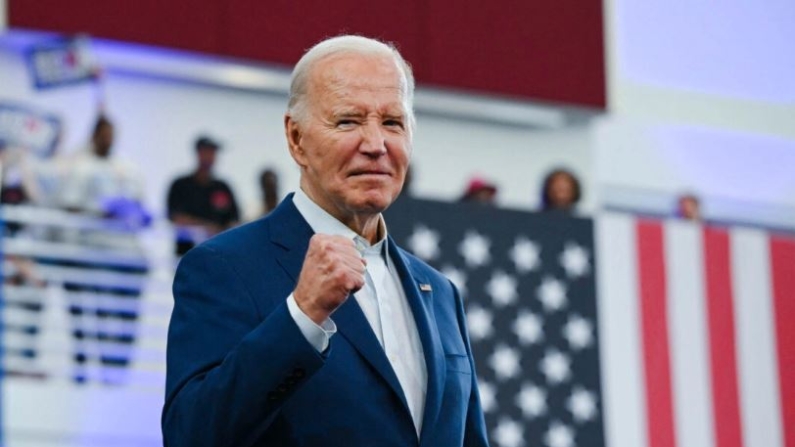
(529, 293)
(697, 333)
(618, 331)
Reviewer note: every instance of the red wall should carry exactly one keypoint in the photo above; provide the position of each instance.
(539, 49)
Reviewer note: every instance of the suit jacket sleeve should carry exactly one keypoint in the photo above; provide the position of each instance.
(231, 365)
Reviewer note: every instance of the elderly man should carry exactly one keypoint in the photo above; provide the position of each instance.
(311, 327)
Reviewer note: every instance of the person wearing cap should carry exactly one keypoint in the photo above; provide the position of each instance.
(480, 190)
(310, 326)
(199, 204)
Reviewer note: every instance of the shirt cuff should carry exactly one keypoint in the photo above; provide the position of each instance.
(317, 335)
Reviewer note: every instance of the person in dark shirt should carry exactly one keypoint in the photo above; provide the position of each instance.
(199, 204)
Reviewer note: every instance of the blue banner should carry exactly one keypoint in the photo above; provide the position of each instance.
(61, 62)
(33, 130)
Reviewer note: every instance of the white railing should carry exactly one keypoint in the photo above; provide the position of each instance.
(85, 306)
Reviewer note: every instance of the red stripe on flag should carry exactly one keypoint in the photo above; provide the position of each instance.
(782, 257)
(654, 325)
(722, 346)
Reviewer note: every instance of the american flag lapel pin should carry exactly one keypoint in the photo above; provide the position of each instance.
(425, 287)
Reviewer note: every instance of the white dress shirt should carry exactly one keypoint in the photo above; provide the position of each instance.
(383, 302)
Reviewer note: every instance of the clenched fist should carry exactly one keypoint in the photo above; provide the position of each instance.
(332, 270)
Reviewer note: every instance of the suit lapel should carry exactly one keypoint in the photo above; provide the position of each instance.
(353, 325)
(421, 303)
(291, 232)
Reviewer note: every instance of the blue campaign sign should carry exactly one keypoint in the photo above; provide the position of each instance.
(34, 130)
(61, 61)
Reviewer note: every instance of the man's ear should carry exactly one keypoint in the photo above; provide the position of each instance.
(292, 130)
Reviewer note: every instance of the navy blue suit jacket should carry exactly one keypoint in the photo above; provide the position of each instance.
(240, 372)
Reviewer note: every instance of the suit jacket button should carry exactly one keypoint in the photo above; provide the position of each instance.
(281, 388)
(272, 396)
(299, 373)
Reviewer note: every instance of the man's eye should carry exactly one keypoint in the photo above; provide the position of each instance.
(345, 123)
(394, 123)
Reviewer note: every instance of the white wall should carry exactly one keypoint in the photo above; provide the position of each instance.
(157, 121)
(684, 90)
(701, 99)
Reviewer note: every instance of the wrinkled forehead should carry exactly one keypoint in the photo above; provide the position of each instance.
(345, 72)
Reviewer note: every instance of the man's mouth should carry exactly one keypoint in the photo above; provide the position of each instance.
(368, 172)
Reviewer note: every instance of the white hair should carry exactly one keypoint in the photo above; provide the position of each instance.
(345, 44)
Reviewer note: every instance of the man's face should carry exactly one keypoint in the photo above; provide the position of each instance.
(103, 140)
(268, 181)
(562, 191)
(206, 157)
(355, 143)
(689, 209)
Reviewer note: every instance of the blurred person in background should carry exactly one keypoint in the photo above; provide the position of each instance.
(12, 189)
(201, 205)
(688, 207)
(560, 191)
(44, 175)
(480, 190)
(269, 194)
(96, 183)
(31, 176)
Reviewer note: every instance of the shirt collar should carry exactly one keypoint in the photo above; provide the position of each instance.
(324, 223)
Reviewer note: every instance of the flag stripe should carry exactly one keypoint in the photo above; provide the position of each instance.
(689, 347)
(753, 295)
(654, 323)
(782, 254)
(625, 424)
(720, 311)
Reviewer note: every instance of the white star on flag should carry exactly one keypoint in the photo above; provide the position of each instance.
(424, 242)
(552, 294)
(556, 366)
(574, 260)
(559, 435)
(509, 433)
(475, 249)
(480, 324)
(488, 396)
(528, 328)
(582, 404)
(505, 362)
(578, 331)
(502, 289)
(532, 400)
(525, 255)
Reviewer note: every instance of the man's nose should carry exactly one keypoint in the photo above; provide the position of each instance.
(373, 139)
